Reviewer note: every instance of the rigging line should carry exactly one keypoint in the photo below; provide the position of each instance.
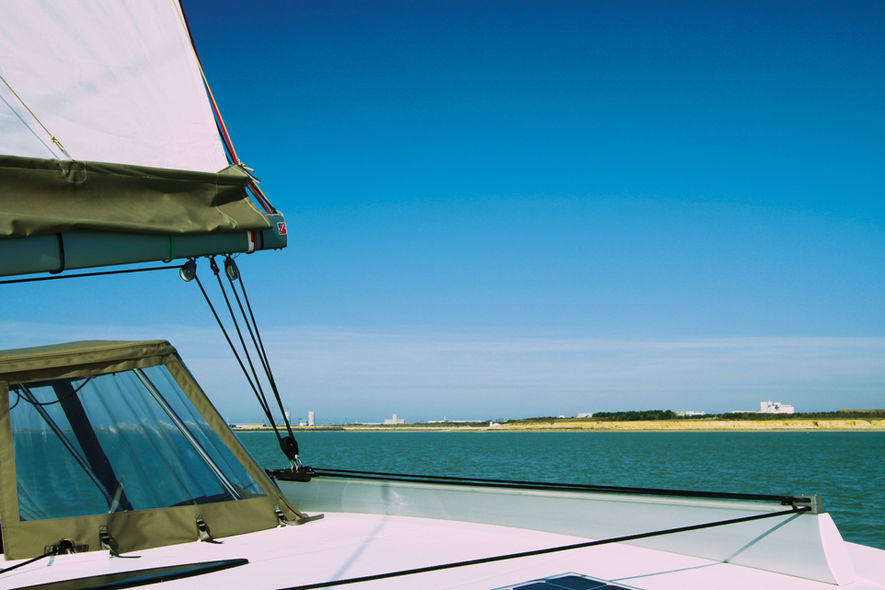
(230, 159)
(534, 552)
(183, 18)
(261, 357)
(261, 402)
(27, 108)
(233, 318)
(87, 274)
(262, 199)
(261, 349)
(249, 325)
(63, 546)
(259, 346)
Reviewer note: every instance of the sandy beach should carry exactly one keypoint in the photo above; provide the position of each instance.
(574, 425)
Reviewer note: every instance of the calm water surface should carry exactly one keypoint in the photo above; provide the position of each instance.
(846, 468)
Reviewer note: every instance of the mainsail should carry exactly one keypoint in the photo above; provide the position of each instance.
(110, 152)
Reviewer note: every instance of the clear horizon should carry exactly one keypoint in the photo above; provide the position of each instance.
(295, 420)
(550, 207)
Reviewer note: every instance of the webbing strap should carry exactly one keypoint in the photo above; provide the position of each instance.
(110, 544)
(203, 533)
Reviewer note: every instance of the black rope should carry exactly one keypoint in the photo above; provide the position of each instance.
(262, 402)
(534, 552)
(87, 274)
(288, 444)
(64, 546)
(251, 324)
(259, 344)
(233, 317)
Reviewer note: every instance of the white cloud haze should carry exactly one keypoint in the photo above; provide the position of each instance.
(357, 375)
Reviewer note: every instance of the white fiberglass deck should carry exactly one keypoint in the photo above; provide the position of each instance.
(344, 545)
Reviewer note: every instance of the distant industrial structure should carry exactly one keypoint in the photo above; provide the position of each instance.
(394, 420)
(309, 421)
(775, 408)
(768, 407)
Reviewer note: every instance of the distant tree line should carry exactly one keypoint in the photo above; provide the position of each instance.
(631, 415)
(839, 415)
(635, 415)
(537, 419)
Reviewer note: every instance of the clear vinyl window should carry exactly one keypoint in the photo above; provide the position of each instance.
(123, 441)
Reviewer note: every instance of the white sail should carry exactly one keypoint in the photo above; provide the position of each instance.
(109, 148)
(113, 81)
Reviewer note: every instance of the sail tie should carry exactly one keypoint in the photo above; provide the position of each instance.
(61, 255)
(171, 249)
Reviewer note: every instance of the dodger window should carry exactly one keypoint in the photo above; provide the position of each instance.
(130, 440)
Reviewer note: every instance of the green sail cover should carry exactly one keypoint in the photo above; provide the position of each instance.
(41, 197)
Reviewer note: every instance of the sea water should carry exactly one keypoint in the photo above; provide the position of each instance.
(846, 468)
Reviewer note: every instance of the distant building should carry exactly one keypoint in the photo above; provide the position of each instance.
(310, 419)
(775, 408)
(394, 420)
(689, 413)
(585, 415)
(240, 426)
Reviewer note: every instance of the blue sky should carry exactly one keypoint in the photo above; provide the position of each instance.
(508, 209)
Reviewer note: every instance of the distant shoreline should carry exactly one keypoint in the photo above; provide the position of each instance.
(566, 425)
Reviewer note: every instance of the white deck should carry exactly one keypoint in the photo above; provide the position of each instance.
(345, 545)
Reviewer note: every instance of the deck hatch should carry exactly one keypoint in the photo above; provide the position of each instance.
(566, 582)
